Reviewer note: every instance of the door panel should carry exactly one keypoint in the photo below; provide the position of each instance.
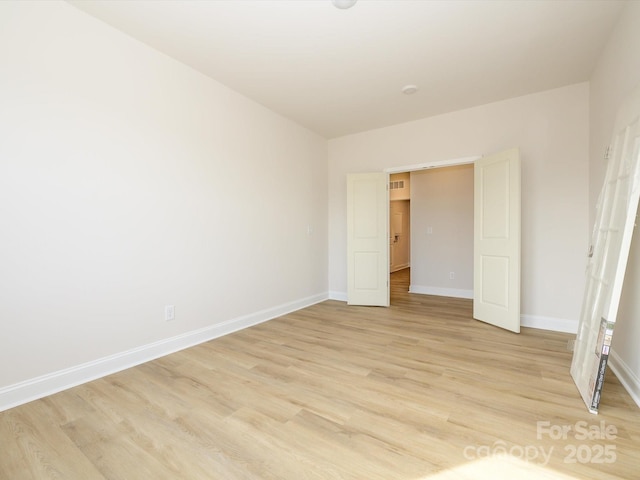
(495, 275)
(368, 239)
(496, 290)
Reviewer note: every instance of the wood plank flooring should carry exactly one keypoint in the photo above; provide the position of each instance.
(418, 391)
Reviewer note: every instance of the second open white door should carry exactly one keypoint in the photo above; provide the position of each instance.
(496, 289)
(368, 239)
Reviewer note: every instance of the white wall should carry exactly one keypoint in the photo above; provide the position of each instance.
(129, 181)
(616, 75)
(551, 129)
(442, 231)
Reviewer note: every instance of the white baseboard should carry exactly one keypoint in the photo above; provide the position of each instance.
(441, 292)
(32, 389)
(627, 377)
(340, 296)
(549, 323)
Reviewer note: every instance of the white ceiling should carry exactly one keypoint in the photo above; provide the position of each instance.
(341, 71)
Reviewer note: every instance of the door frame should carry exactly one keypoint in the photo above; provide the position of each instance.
(416, 167)
(435, 164)
(426, 166)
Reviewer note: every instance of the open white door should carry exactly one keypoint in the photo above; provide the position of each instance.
(368, 239)
(611, 240)
(496, 256)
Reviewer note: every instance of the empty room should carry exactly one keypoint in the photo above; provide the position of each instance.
(198, 234)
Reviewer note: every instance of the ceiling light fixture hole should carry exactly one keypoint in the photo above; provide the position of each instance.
(409, 89)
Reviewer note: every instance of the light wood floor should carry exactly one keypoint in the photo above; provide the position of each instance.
(417, 391)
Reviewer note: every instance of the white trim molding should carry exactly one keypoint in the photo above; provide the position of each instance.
(35, 388)
(439, 163)
(627, 377)
(441, 292)
(339, 296)
(549, 323)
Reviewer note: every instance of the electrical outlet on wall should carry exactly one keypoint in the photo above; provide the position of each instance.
(169, 313)
(452, 275)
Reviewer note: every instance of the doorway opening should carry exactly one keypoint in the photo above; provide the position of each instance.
(431, 231)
